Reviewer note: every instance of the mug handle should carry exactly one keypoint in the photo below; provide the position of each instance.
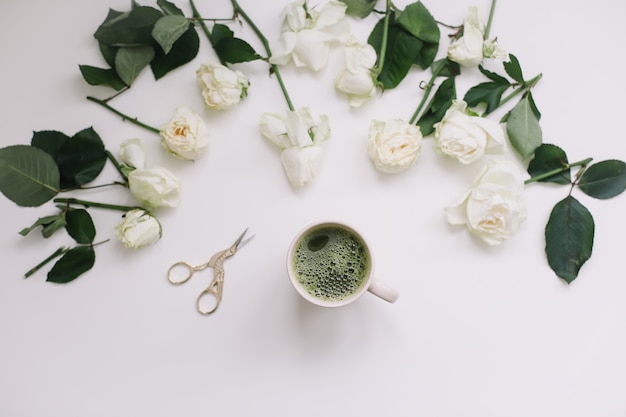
(383, 291)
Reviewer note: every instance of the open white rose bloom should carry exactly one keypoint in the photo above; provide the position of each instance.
(155, 187)
(138, 229)
(222, 88)
(393, 146)
(185, 135)
(494, 207)
(467, 138)
(308, 32)
(357, 79)
(298, 134)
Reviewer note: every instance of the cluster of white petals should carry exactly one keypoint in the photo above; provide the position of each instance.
(298, 134)
(358, 79)
(222, 88)
(307, 34)
(185, 135)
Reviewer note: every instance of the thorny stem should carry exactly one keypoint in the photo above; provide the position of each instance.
(117, 166)
(203, 25)
(427, 90)
(88, 204)
(525, 86)
(383, 47)
(133, 120)
(583, 163)
(273, 68)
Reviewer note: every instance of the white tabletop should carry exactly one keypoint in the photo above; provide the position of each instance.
(477, 330)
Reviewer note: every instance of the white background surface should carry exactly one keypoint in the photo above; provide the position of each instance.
(477, 331)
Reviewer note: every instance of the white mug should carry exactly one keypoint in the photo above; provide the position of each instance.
(330, 264)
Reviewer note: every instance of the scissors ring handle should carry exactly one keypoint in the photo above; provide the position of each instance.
(215, 291)
(171, 275)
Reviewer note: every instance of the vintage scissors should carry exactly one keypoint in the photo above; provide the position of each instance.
(216, 286)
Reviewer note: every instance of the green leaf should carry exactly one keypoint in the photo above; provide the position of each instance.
(402, 50)
(168, 29)
(183, 51)
(604, 179)
(359, 8)
(498, 79)
(28, 175)
(489, 93)
(513, 68)
(101, 76)
(441, 101)
(220, 32)
(548, 158)
(49, 225)
(235, 50)
(569, 238)
(169, 8)
(129, 62)
(50, 141)
(417, 20)
(523, 129)
(81, 159)
(129, 29)
(72, 264)
(80, 226)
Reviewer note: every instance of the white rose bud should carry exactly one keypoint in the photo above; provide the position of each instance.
(222, 88)
(493, 208)
(185, 135)
(393, 146)
(467, 138)
(132, 153)
(138, 229)
(468, 49)
(308, 32)
(357, 80)
(154, 187)
(301, 164)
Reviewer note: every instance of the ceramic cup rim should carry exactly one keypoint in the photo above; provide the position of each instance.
(302, 291)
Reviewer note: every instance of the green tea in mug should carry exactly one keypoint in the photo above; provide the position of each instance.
(331, 262)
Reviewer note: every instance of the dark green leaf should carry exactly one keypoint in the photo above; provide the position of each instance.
(498, 79)
(441, 101)
(183, 51)
(28, 175)
(426, 55)
(604, 179)
(168, 29)
(220, 32)
(169, 8)
(80, 226)
(548, 158)
(402, 50)
(108, 53)
(359, 8)
(129, 29)
(81, 159)
(513, 68)
(72, 264)
(523, 129)
(417, 20)
(448, 68)
(130, 61)
(50, 141)
(235, 50)
(101, 76)
(569, 238)
(49, 225)
(489, 93)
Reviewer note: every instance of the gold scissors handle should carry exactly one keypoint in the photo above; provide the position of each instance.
(182, 266)
(214, 290)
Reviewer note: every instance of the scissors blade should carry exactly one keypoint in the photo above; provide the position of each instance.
(240, 242)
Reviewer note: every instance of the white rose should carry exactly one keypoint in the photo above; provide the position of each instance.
(132, 153)
(492, 50)
(307, 34)
(468, 49)
(301, 164)
(493, 208)
(297, 134)
(357, 79)
(222, 88)
(393, 146)
(467, 138)
(185, 135)
(138, 229)
(154, 187)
